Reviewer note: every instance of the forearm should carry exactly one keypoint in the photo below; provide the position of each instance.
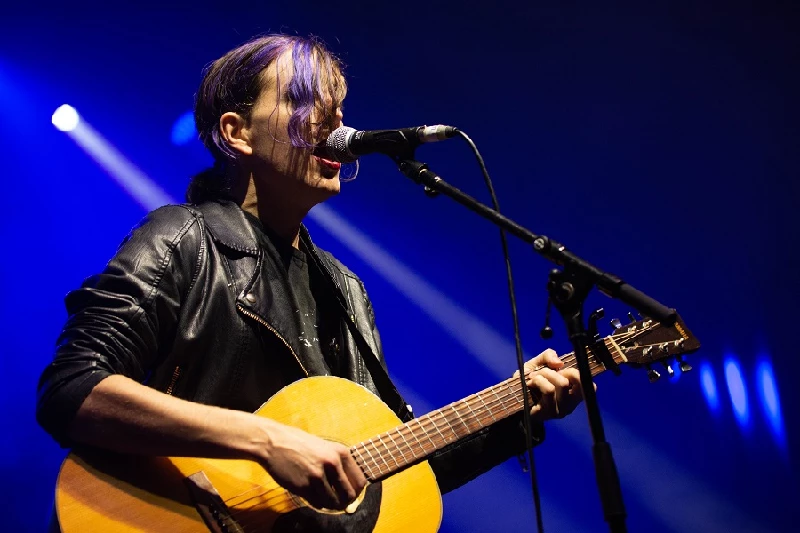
(122, 415)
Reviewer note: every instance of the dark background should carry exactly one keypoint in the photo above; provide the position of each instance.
(657, 139)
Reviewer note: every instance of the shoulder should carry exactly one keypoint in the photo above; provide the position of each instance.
(168, 220)
(222, 221)
(338, 265)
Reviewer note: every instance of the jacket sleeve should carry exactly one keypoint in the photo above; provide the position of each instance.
(470, 457)
(121, 320)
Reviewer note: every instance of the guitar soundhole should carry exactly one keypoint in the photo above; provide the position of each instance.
(308, 520)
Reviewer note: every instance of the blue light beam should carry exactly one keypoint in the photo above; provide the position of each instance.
(709, 383)
(770, 399)
(144, 190)
(737, 391)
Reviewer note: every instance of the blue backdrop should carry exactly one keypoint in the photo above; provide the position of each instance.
(656, 139)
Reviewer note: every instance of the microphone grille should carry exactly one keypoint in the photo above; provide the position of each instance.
(338, 143)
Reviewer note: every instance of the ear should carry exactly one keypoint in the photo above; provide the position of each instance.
(234, 130)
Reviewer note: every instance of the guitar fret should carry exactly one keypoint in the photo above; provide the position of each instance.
(447, 421)
(483, 409)
(419, 443)
(380, 456)
(426, 434)
(397, 448)
(386, 451)
(433, 421)
(516, 394)
(473, 414)
(494, 391)
(458, 415)
(486, 408)
(408, 446)
(363, 447)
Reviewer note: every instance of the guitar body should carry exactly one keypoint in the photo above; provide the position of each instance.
(100, 491)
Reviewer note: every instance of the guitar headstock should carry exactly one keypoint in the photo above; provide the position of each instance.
(647, 341)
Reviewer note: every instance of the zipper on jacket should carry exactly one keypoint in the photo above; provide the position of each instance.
(264, 323)
(175, 375)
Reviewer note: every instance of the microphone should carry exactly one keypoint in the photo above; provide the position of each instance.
(347, 144)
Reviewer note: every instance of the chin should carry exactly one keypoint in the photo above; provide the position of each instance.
(325, 188)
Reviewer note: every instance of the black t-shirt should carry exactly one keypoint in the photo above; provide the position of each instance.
(311, 302)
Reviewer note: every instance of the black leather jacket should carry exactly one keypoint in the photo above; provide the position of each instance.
(184, 307)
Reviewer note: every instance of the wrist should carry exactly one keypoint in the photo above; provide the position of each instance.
(252, 438)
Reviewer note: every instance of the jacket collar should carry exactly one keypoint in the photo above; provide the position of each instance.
(228, 225)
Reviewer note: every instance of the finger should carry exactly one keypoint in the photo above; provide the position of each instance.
(354, 473)
(558, 380)
(320, 493)
(550, 359)
(571, 374)
(343, 491)
(542, 385)
(546, 391)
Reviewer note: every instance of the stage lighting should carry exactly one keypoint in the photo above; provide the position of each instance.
(184, 129)
(65, 118)
(709, 383)
(737, 390)
(768, 393)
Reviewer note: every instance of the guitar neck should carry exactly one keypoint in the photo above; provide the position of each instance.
(414, 441)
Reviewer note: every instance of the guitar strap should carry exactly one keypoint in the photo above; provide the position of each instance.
(388, 392)
(386, 389)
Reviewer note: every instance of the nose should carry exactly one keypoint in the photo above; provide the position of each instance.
(339, 118)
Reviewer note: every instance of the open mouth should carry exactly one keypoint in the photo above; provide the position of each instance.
(323, 157)
(328, 163)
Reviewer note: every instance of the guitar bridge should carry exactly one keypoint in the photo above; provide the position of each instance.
(209, 504)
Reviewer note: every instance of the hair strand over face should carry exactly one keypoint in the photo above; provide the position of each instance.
(234, 82)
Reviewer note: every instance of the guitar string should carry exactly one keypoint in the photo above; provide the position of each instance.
(568, 363)
(432, 417)
(244, 518)
(236, 509)
(439, 418)
(257, 487)
(569, 360)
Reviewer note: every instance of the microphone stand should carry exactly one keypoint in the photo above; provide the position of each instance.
(568, 289)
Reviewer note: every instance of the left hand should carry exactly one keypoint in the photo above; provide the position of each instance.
(557, 388)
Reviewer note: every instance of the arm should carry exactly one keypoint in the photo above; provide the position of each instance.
(123, 415)
(120, 325)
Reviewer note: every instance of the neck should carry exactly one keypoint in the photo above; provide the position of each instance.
(274, 210)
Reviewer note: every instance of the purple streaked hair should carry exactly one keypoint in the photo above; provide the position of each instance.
(233, 83)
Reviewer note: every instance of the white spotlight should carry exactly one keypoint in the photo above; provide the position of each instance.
(66, 118)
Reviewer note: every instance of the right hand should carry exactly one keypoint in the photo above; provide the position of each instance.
(322, 472)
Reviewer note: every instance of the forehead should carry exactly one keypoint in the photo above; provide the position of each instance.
(320, 75)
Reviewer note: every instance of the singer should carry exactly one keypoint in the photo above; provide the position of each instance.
(210, 308)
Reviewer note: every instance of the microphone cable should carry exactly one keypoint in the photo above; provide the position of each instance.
(526, 418)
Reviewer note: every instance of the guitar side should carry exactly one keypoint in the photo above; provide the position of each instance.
(100, 491)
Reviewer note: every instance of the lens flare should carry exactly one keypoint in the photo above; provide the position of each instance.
(65, 118)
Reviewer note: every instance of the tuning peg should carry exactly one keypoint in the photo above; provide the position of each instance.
(685, 367)
(630, 315)
(615, 323)
(670, 372)
(652, 374)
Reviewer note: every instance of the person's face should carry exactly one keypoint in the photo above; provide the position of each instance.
(303, 177)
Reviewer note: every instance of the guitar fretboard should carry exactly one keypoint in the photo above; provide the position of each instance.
(414, 441)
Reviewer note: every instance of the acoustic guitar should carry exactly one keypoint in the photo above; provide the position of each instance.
(109, 492)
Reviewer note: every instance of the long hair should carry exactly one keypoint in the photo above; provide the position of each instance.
(233, 83)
